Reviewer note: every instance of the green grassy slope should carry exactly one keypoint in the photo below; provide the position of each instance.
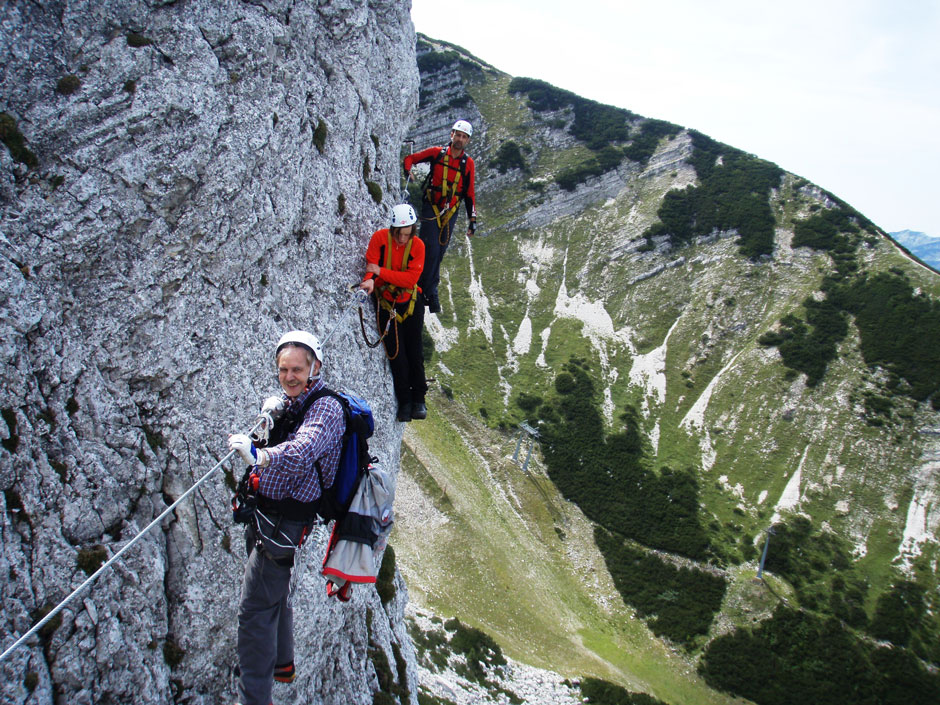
(478, 539)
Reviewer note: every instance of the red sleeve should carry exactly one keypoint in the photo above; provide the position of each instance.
(374, 250)
(423, 156)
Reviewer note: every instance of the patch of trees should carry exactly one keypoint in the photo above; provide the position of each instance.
(809, 346)
(595, 124)
(818, 564)
(733, 194)
(508, 156)
(898, 330)
(604, 160)
(904, 617)
(679, 603)
(430, 60)
(797, 656)
(647, 139)
(607, 477)
(600, 127)
(834, 231)
(600, 692)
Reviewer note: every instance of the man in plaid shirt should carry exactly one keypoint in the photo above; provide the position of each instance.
(289, 492)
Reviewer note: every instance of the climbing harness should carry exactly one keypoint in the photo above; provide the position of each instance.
(395, 291)
(448, 191)
(394, 317)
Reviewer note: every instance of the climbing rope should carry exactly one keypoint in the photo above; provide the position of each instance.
(362, 325)
(93, 577)
(358, 299)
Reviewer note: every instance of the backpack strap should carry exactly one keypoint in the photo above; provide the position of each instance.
(460, 181)
(347, 414)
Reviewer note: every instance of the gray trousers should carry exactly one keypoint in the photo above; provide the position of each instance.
(265, 620)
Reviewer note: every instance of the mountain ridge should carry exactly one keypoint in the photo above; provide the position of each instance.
(751, 374)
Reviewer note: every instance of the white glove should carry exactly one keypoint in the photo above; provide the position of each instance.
(273, 405)
(271, 409)
(245, 448)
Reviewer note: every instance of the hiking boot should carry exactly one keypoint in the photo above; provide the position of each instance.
(285, 673)
(419, 410)
(404, 413)
(433, 303)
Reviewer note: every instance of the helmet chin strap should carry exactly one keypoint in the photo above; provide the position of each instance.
(313, 377)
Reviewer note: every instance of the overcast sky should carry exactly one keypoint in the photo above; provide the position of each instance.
(845, 93)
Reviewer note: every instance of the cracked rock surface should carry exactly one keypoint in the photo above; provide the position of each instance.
(182, 183)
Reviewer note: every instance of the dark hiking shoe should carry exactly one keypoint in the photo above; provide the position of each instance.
(285, 673)
(419, 410)
(404, 413)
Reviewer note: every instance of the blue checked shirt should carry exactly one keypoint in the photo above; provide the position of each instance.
(318, 437)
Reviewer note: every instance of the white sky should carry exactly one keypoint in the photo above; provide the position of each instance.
(845, 93)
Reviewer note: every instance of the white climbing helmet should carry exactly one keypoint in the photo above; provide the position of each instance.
(463, 126)
(403, 215)
(304, 340)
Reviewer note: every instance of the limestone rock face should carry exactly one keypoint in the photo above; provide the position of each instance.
(182, 183)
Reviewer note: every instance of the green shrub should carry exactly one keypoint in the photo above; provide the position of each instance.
(797, 656)
(90, 559)
(12, 442)
(478, 648)
(137, 41)
(906, 615)
(508, 156)
(433, 61)
(68, 84)
(679, 602)
(319, 136)
(810, 350)
(385, 580)
(600, 692)
(898, 330)
(374, 190)
(733, 194)
(595, 124)
(528, 402)
(606, 159)
(818, 564)
(172, 652)
(14, 140)
(645, 143)
(606, 475)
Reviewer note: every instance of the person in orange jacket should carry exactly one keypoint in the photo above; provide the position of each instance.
(394, 262)
(450, 180)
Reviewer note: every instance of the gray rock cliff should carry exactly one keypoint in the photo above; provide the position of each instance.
(182, 183)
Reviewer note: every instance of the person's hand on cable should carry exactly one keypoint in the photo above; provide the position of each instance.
(271, 409)
(246, 449)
